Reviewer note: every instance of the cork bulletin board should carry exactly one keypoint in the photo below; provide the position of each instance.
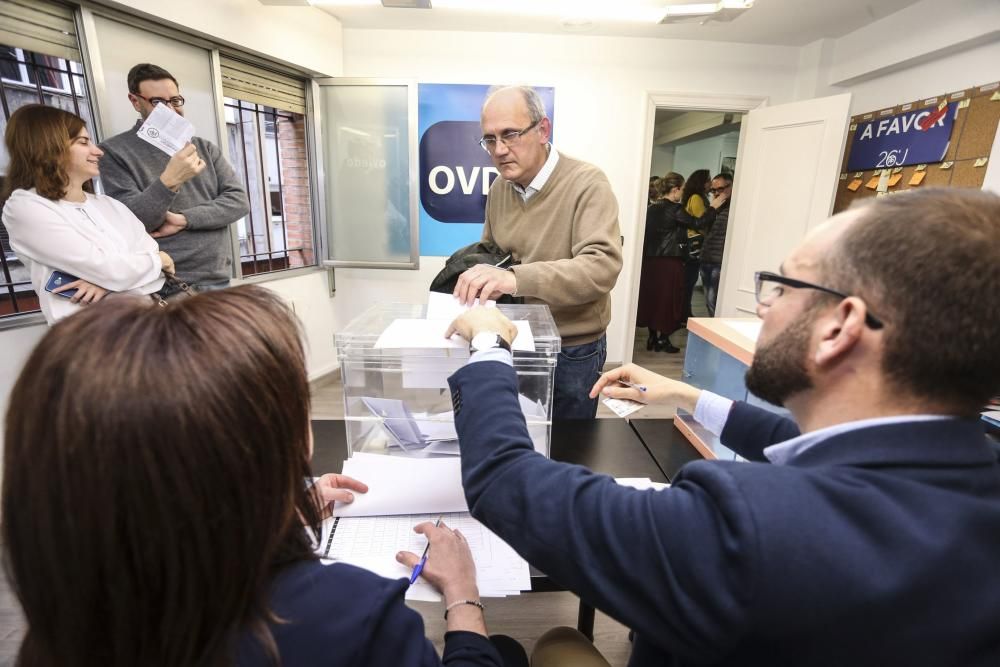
(976, 117)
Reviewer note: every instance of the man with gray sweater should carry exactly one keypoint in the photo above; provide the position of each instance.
(559, 218)
(186, 201)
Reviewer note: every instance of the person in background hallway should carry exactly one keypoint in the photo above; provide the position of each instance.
(661, 286)
(154, 502)
(863, 531)
(715, 223)
(559, 218)
(693, 202)
(57, 223)
(187, 201)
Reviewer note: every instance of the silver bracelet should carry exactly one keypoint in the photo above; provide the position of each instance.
(474, 603)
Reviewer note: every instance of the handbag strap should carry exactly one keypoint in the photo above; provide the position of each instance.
(172, 280)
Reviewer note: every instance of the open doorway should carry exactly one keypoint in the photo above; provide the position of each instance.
(692, 163)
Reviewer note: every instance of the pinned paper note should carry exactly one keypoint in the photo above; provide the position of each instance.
(917, 178)
(166, 129)
(964, 103)
(980, 162)
(843, 177)
(946, 165)
(872, 183)
(859, 174)
(921, 167)
(897, 170)
(995, 97)
(854, 126)
(894, 179)
(854, 185)
(883, 181)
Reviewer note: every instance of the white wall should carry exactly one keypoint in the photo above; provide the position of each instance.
(705, 153)
(662, 161)
(925, 50)
(601, 85)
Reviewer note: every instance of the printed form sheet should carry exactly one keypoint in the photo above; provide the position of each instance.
(372, 542)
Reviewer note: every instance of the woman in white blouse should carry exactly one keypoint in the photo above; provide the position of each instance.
(56, 223)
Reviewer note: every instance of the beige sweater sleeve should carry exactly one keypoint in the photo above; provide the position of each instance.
(596, 251)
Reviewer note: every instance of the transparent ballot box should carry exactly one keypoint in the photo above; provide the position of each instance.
(396, 398)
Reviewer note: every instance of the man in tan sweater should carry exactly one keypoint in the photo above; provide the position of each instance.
(559, 218)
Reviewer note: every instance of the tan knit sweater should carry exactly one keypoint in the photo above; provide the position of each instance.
(567, 240)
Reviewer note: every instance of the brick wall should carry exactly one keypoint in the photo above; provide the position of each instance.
(295, 190)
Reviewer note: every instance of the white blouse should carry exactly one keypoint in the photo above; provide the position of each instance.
(99, 240)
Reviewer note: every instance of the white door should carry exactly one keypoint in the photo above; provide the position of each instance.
(786, 179)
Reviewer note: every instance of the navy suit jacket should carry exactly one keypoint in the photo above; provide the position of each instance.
(342, 616)
(878, 546)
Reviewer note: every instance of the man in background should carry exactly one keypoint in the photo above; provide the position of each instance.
(559, 218)
(866, 531)
(715, 224)
(186, 201)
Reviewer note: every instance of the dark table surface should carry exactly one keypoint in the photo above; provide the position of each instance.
(610, 446)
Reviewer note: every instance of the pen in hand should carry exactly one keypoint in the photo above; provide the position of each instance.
(423, 559)
(640, 387)
(633, 385)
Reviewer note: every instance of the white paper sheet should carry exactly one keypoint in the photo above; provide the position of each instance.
(446, 307)
(166, 129)
(372, 543)
(641, 483)
(622, 407)
(401, 484)
(408, 334)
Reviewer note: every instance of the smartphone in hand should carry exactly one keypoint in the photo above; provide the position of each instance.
(57, 280)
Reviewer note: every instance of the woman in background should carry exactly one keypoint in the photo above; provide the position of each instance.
(56, 223)
(694, 202)
(661, 286)
(154, 498)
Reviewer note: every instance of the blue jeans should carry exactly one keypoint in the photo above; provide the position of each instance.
(577, 369)
(710, 279)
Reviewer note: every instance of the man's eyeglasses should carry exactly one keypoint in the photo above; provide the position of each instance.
(508, 138)
(176, 102)
(769, 286)
(715, 191)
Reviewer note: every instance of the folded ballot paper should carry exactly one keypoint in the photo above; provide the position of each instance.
(404, 492)
(166, 129)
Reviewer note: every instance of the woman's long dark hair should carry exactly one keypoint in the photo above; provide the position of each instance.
(154, 479)
(695, 185)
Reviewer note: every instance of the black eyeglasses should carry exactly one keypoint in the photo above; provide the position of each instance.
(769, 286)
(176, 102)
(508, 138)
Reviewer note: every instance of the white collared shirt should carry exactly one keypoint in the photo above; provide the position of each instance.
(712, 411)
(541, 178)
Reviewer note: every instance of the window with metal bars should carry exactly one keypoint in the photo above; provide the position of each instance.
(32, 78)
(268, 149)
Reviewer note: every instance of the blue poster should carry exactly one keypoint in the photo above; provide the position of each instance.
(455, 172)
(919, 136)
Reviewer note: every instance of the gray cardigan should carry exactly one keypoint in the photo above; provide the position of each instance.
(211, 201)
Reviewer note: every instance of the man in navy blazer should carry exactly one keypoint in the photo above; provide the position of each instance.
(866, 532)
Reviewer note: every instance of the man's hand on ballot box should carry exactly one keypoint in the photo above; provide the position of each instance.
(479, 319)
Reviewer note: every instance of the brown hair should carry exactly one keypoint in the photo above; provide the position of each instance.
(154, 482)
(669, 182)
(147, 72)
(695, 185)
(38, 139)
(926, 263)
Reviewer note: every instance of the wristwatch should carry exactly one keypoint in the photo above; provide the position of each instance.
(487, 340)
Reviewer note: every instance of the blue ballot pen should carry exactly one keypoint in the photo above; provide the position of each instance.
(640, 387)
(423, 559)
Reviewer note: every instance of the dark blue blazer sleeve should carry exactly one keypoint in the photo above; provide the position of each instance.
(675, 565)
(750, 429)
